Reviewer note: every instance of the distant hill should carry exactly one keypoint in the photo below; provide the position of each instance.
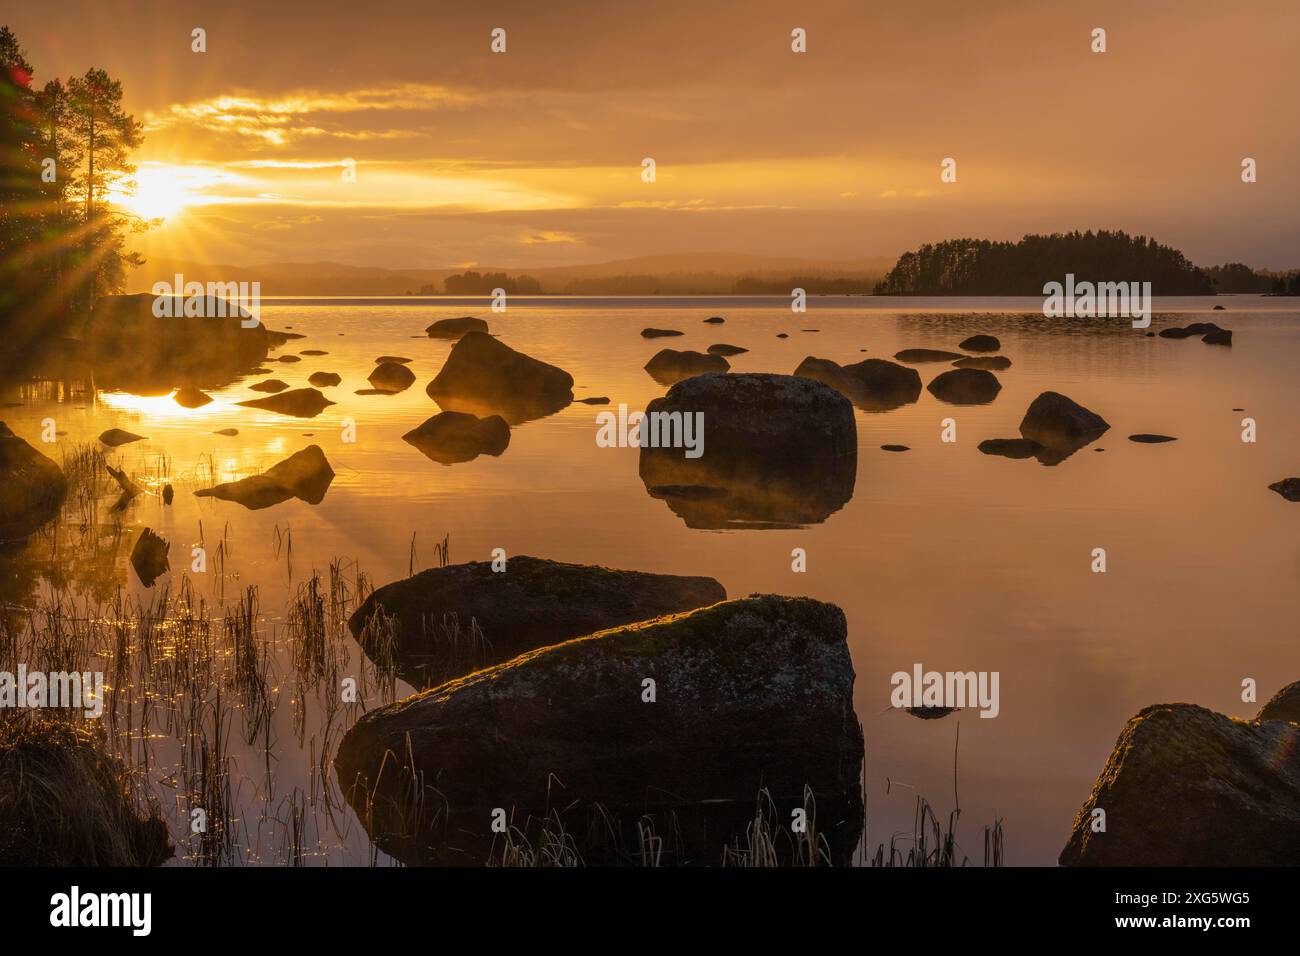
(708, 273)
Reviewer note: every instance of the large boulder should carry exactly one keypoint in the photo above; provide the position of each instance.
(451, 437)
(531, 604)
(670, 366)
(305, 475)
(965, 386)
(778, 451)
(32, 487)
(1185, 786)
(873, 384)
(455, 328)
(1061, 425)
(746, 695)
(483, 376)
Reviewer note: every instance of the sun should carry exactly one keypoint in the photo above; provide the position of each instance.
(163, 191)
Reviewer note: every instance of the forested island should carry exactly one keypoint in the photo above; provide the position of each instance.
(986, 267)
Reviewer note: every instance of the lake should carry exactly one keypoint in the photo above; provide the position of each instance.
(943, 557)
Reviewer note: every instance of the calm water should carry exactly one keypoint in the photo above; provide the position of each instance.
(944, 556)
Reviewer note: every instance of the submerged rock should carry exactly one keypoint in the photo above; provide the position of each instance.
(1288, 488)
(455, 328)
(1151, 439)
(32, 487)
(1185, 786)
(670, 366)
(1011, 447)
(271, 385)
(1218, 337)
(593, 400)
(895, 448)
(1061, 425)
(189, 397)
(484, 376)
(990, 363)
(1187, 331)
(778, 451)
(755, 693)
(391, 377)
(714, 320)
(872, 384)
(433, 616)
(660, 333)
(149, 557)
(289, 359)
(399, 359)
(228, 432)
(965, 386)
(926, 355)
(305, 475)
(980, 343)
(116, 436)
(451, 437)
(724, 350)
(324, 379)
(298, 402)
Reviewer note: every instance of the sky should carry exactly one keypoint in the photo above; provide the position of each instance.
(533, 157)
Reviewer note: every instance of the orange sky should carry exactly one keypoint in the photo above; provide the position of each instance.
(533, 157)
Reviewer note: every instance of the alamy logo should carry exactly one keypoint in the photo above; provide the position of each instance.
(216, 300)
(652, 430)
(1088, 300)
(74, 908)
(54, 689)
(954, 690)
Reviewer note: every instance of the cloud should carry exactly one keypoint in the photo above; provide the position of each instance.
(548, 236)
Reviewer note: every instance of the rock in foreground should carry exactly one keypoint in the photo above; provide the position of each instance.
(305, 475)
(748, 694)
(778, 451)
(451, 437)
(32, 487)
(483, 376)
(1185, 786)
(532, 604)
